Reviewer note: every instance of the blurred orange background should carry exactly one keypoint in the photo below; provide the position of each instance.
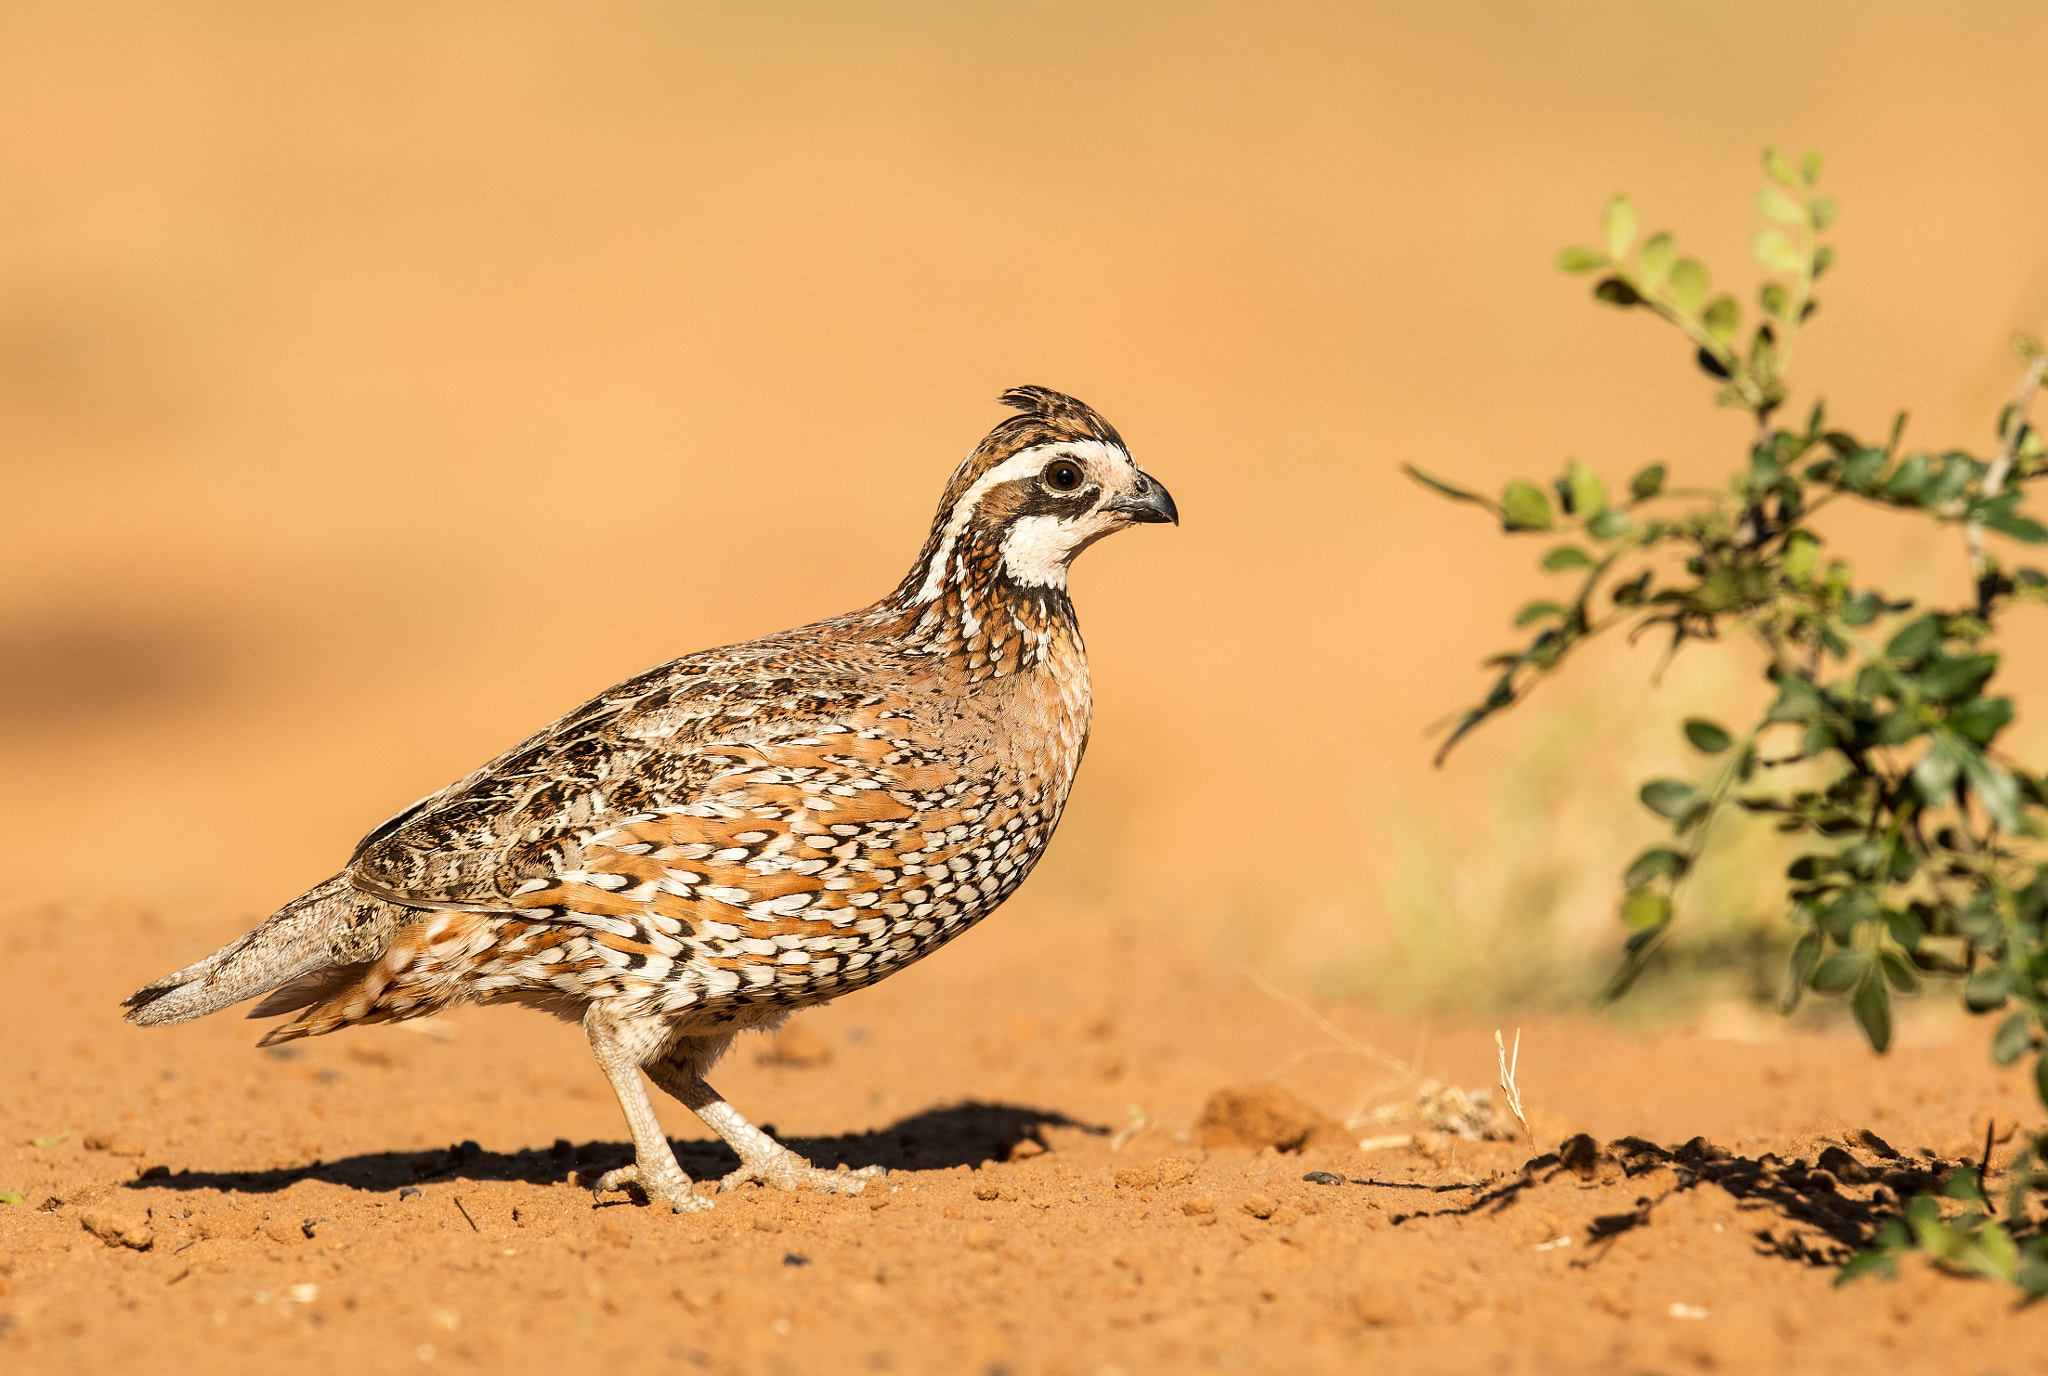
(378, 381)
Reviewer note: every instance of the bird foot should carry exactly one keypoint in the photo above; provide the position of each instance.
(670, 1187)
(783, 1169)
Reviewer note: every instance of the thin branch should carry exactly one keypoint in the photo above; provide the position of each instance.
(1994, 480)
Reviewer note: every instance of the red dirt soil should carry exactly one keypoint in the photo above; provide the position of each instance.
(394, 1199)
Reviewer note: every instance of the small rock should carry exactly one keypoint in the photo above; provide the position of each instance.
(113, 1146)
(1133, 1179)
(987, 1192)
(795, 1259)
(1200, 1205)
(1261, 1116)
(1026, 1149)
(1261, 1206)
(1580, 1155)
(226, 1223)
(1381, 1305)
(1323, 1178)
(119, 1226)
(1844, 1168)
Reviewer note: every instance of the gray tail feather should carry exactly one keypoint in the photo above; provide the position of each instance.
(330, 926)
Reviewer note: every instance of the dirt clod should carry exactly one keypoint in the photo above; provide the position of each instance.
(765, 1224)
(1381, 1305)
(1258, 1116)
(1200, 1205)
(1261, 1205)
(119, 1226)
(1580, 1155)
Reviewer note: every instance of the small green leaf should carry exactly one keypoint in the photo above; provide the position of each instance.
(1616, 291)
(1776, 205)
(1645, 910)
(1979, 719)
(1524, 507)
(1995, 789)
(1672, 798)
(1809, 168)
(1823, 259)
(1438, 485)
(1987, 989)
(2014, 1039)
(1936, 774)
(1950, 677)
(1896, 972)
(1805, 955)
(2025, 529)
(1588, 493)
(1840, 971)
(1802, 555)
(1776, 168)
(1707, 737)
(1567, 557)
(56, 1140)
(1687, 285)
(1722, 318)
(1872, 1004)
(1610, 524)
(1620, 225)
(1579, 259)
(11, 1197)
(1537, 611)
(1871, 1263)
(1916, 640)
(1659, 252)
(1648, 483)
(2041, 1077)
(1658, 862)
(1775, 251)
(1822, 210)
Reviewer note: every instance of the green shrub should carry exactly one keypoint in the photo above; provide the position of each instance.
(1881, 741)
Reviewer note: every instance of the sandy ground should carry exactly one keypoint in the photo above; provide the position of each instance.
(392, 1199)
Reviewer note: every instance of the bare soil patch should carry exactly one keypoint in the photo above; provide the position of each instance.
(1063, 1195)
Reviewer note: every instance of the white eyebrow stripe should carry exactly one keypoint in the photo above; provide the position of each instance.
(1024, 463)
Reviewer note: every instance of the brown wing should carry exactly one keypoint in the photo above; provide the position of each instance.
(653, 746)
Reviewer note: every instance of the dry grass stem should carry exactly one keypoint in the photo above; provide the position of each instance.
(1507, 1078)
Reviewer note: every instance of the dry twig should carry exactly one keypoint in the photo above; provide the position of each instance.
(1507, 1078)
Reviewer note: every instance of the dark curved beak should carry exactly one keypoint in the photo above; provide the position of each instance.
(1151, 502)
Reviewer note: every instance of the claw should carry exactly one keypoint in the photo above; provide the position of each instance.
(785, 1170)
(663, 1188)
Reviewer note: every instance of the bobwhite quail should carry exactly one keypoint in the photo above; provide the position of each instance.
(739, 833)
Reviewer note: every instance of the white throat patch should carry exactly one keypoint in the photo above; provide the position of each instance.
(1024, 464)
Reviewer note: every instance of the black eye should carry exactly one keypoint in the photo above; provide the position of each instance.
(1062, 475)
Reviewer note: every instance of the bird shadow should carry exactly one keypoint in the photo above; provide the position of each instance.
(938, 1139)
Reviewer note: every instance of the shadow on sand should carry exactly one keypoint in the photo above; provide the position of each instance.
(937, 1139)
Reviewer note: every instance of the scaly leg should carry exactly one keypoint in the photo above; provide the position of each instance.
(655, 1169)
(762, 1158)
